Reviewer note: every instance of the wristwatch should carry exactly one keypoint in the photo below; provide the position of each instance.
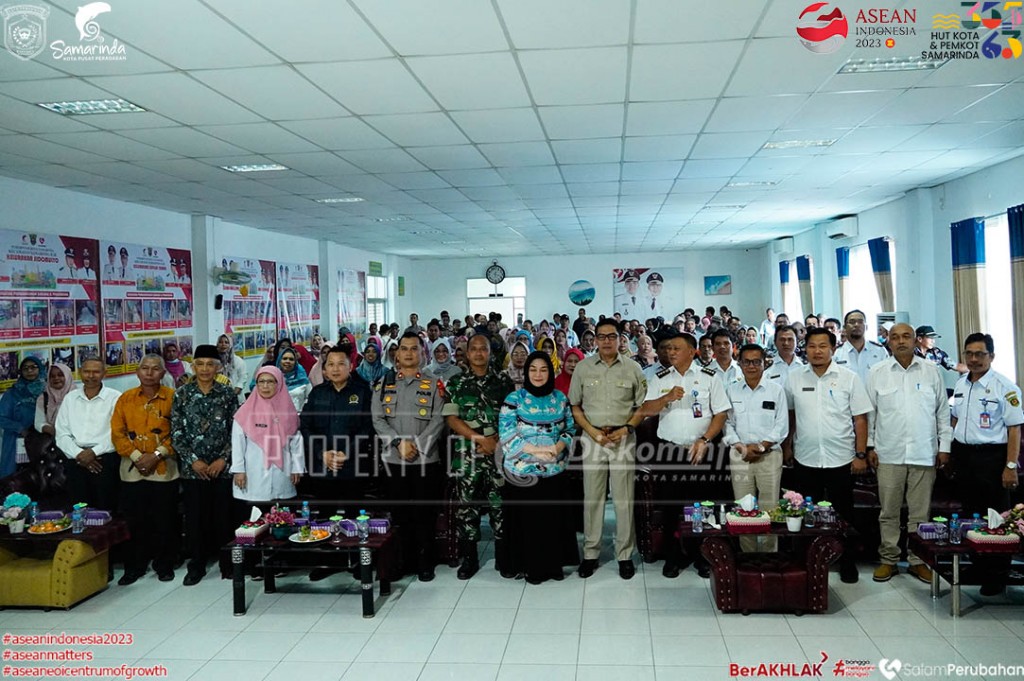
(706, 441)
(631, 429)
(1012, 465)
(861, 455)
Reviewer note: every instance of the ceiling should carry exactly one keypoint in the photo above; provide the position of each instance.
(500, 128)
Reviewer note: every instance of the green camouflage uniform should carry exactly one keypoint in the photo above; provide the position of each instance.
(477, 401)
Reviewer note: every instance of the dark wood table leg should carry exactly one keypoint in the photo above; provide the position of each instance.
(366, 579)
(238, 579)
(269, 582)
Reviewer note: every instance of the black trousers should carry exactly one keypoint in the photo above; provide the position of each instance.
(834, 485)
(208, 519)
(414, 491)
(151, 509)
(99, 490)
(979, 484)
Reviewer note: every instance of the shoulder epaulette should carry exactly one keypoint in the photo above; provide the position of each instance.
(708, 370)
(876, 344)
(663, 373)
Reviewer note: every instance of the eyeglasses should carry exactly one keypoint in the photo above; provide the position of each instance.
(970, 354)
(751, 362)
(607, 336)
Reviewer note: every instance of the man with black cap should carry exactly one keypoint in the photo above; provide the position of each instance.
(630, 302)
(69, 262)
(201, 418)
(655, 283)
(926, 348)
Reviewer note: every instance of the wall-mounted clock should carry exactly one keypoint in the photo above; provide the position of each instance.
(495, 273)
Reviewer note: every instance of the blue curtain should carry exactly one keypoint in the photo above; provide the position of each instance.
(881, 265)
(803, 277)
(968, 246)
(1015, 216)
(843, 270)
(784, 281)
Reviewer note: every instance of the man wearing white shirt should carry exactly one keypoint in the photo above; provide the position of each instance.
(828, 425)
(570, 336)
(757, 425)
(787, 359)
(767, 330)
(727, 370)
(83, 434)
(909, 426)
(858, 354)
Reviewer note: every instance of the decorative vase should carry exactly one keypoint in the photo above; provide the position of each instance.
(281, 531)
(17, 526)
(794, 523)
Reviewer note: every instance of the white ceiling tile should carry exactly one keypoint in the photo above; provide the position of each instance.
(1010, 136)
(863, 82)
(662, 21)
(592, 172)
(42, 150)
(107, 144)
(651, 170)
(417, 130)
(186, 169)
(450, 157)
(315, 163)
(250, 87)
(260, 138)
(178, 97)
(418, 27)
(594, 189)
(531, 175)
(339, 134)
(337, 32)
(491, 194)
(840, 109)
(435, 196)
(648, 188)
(54, 90)
(805, 72)
(946, 136)
(873, 139)
(968, 72)
(28, 118)
(361, 184)
(667, 118)
(133, 121)
(658, 148)
(414, 180)
(583, 76)
(59, 176)
(581, 122)
(929, 105)
(772, 167)
(518, 154)
(479, 177)
(477, 81)
(1004, 104)
(676, 72)
(588, 151)
(383, 86)
(734, 114)
(383, 160)
(499, 125)
(126, 172)
(535, 24)
(32, 69)
(540, 191)
(728, 145)
(184, 142)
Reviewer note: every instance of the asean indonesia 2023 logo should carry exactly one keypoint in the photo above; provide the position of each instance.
(822, 28)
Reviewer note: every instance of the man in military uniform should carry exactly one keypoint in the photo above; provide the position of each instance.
(629, 303)
(693, 407)
(406, 409)
(926, 348)
(858, 354)
(473, 400)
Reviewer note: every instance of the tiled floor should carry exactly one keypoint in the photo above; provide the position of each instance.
(491, 629)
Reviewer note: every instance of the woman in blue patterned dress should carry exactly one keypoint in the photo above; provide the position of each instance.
(536, 430)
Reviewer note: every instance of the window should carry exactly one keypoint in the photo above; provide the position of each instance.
(862, 293)
(997, 305)
(507, 298)
(376, 300)
(791, 302)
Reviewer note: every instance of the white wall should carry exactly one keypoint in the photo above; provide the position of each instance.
(433, 285)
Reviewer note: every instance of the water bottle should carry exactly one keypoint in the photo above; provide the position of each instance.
(77, 521)
(698, 519)
(305, 510)
(808, 512)
(363, 527)
(954, 529)
(976, 520)
(33, 513)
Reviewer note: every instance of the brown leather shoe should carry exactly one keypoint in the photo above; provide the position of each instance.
(885, 572)
(922, 572)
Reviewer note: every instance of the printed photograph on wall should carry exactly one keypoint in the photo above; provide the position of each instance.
(718, 285)
(581, 292)
(250, 304)
(645, 292)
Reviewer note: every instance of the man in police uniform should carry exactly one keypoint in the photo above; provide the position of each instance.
(787, 360)
(858, 354)
(472, 403)
(629, 304)
(723, 365)
(755, 429)
(407, 415)
(909, 426)
(986, 441)
(926, 348)
(828, 425)
(693, 406)
(606, 393)
(652, 304)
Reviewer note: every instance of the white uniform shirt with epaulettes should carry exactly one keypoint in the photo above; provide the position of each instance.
(687, 419)
(409, 407)
(985, 409)
(861, 362)
(825, 406)
(652, 371)
(779, 370)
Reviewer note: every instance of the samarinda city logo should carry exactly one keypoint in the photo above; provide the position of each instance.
(25, 34)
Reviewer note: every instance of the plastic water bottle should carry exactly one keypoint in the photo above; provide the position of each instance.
(976, 521)
(363, 527)
(954, 529)
(305, 510)
(808, 512)
(698, 519)
(33, 513)
(77, 521)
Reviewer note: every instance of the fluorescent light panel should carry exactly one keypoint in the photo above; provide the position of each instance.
(798, 144)
(91, 106)
(341, 199)
(255, 168)
(890, 65)
(397, 218)
(764, 183)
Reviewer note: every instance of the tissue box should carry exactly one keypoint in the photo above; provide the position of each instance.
(96, 518)
(349, 528)
(929, 531)
(50, 515)
(250, 533)
(379, 525)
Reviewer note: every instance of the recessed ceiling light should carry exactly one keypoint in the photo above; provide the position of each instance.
(427, 231)
(91, 106)
(255, 168)
(397, 218)
(890, 65)
(765, 183)
(342, 199)
(724, 206)
(798, 144)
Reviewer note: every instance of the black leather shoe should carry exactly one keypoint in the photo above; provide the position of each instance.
(848, 573)
(165, 576)
(587, 567)
(129, 578)
(470, 566)
(670, 570)
(626, 569)
(193, 578)
(704, 571)
(426, 575)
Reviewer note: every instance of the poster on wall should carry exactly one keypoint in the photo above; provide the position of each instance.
(718, 285)
(298, 301)
(645, 292)
(147, 303)
(250, 307)
(352, 301)
(49, 297)
(581, 292)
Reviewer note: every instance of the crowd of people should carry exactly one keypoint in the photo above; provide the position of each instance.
(505, 410)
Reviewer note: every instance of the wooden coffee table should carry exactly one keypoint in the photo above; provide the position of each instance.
(946, 562)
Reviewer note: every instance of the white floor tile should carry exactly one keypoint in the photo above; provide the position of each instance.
(469, 648)
(259, 645)
(679, 599)
(218, 670)
(615, 596)
(616, 621)
(534, 672)
(382, 671)
(480, 621)
(848, 647)
(919, 650)
(317, 647)
(615, 649)
(841, 623)
(750, 650)
(414, 621)
(398, 648)
(163, 617)
(554, 595)
(428, 596)
(989, 651)
(176, 669)
(689, 650)
(542, 648)
(490, 597)
(714, 673)
(530, 621)
(306, 671)
(271, 620)
(880, 624)
(459, 672)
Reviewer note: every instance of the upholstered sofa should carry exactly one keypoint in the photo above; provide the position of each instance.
(74, 573)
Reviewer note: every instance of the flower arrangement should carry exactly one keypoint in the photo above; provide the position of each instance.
(1014, 520)
(791, 505)
(279, 517)
(15, 507)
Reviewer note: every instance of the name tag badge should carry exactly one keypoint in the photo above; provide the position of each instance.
(808, 390)
(768, 405)
(697, 411)
(985, 421)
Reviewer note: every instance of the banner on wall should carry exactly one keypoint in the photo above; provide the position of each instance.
(49, 297)
(352, 301)
(250, 309)
(298, 301)
(645, 292)
(147, 303)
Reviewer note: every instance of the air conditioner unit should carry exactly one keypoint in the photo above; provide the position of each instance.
(841, 228)
(894, 317)
(783, 246)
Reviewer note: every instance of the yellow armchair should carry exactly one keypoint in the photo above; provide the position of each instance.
(74, 573)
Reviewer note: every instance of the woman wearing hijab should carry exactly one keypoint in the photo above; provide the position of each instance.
(442, 367)
(564, 378)
(387, 355)
(546, 345)
(561, 343)
(58, 384)
(295, 378)
(316, 375)
(267, 458)
(176, 368)
(18, 413)
(372, 368)
(347, 342)
(516, 368)
(645, 355)
(536, 429)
